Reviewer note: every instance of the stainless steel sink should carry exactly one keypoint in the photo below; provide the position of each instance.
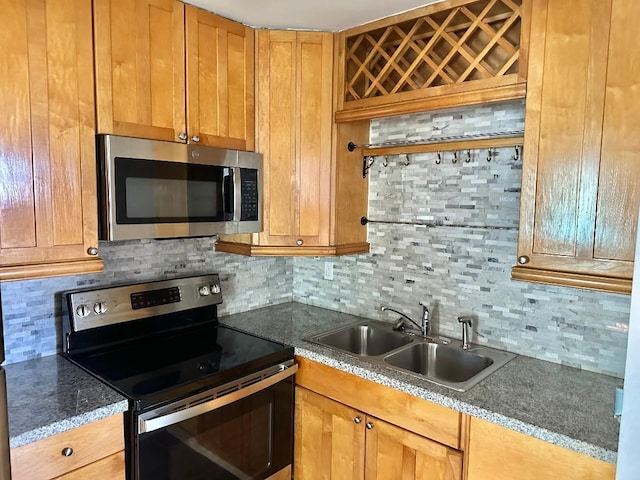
(444, 363)
(370, 339)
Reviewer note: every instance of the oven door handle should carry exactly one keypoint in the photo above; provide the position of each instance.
(150, 421)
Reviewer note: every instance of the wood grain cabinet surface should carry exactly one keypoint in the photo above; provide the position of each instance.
(48, 221)
(304, 178)
(351, 428)
(495, 452)
(579, 203)
(144, 89)
(94, 451)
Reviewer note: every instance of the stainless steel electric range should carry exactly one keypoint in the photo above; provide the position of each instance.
(206, 401)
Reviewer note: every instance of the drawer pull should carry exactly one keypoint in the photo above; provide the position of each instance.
(67, 451)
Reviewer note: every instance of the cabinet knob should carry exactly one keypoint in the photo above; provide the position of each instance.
(92, 251)
(369, 425)
(195, 139)
(522, 259)
(299, 242)
(183, 136)
(357, 420)
(67, 451)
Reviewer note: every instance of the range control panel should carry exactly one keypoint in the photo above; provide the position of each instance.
(106, 306)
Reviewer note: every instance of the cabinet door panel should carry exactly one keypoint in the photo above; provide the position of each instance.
(392, 452)
(314, 136)
(276, 134)
(219, 80)
(618, 192)
(48, 198)
(328, 442)
(140, 86)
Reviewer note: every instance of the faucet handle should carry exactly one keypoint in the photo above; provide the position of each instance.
(465, 319)
(425, 309)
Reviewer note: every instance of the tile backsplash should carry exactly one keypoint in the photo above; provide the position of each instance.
(446, 234)
(31, 309)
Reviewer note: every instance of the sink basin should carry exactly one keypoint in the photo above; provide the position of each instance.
(439, 362)
(368, 339)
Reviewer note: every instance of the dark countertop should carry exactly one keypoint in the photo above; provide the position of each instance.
(50, 395)
(563, 405)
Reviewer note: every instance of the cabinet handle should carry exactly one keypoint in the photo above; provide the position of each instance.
(195, 139)
(92, 251)
(357, 420)
(369, 425)
(67, 451)
(299, 242)
(523, 259)
(182, 136)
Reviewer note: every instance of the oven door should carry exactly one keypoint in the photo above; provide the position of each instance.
(240, 430)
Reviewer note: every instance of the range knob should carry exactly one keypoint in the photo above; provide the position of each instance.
(215, 288)
(204, 290)
(100, 308)
(83, 310)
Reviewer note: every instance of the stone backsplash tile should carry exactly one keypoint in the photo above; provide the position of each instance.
(446, 234)
(32, 311)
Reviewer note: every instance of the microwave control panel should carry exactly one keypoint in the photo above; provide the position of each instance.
(249, 194)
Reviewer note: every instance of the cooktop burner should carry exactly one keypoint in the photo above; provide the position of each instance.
(170, 348)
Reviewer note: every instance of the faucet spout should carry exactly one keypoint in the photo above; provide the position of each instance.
(422, 328)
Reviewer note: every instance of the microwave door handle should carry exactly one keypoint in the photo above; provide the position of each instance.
(228, 197)
(237, 195)
(146, 425)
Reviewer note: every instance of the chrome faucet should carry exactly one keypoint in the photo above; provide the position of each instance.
(424, 326)
(465, 320)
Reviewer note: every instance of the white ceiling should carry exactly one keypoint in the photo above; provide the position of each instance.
(329, 15)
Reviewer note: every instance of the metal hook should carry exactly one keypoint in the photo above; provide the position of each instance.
(439, 159)
(367, 163)
(385, 162)
(407, 161)
(455, 157)
(468, 159)
(517, 155)
(491, 154)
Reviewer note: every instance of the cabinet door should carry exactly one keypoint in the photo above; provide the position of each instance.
(47, 146)
(393, 452)
(495, 452)
(219, 59)
(329, 439)
(294, 136)
(140, 86)
(576, 216)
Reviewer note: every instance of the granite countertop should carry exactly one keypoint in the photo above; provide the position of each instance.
(562, 405)
(51, 395)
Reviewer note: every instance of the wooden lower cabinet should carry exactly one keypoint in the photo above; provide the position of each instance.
(96, 452)
(496, 452)
(338, 442)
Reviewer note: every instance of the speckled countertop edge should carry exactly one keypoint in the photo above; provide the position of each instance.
(490, 400)
(50, 395)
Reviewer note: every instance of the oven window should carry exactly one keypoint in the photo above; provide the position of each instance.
(247, 439)
(150, 191)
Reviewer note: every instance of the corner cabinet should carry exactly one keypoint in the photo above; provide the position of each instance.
(579, 204)
(304, 176)
(48, 223)
(167, 71)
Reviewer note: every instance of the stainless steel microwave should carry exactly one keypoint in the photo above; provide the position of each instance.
(156, 189)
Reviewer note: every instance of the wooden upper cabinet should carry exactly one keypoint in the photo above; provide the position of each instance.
(140, 74)
(220, 85)
(579, 204)
(167, 71)
(452, 53)
(47, 148)
(294, 136)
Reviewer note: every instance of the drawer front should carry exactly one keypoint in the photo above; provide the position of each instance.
(110, 468)
(44, 459)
